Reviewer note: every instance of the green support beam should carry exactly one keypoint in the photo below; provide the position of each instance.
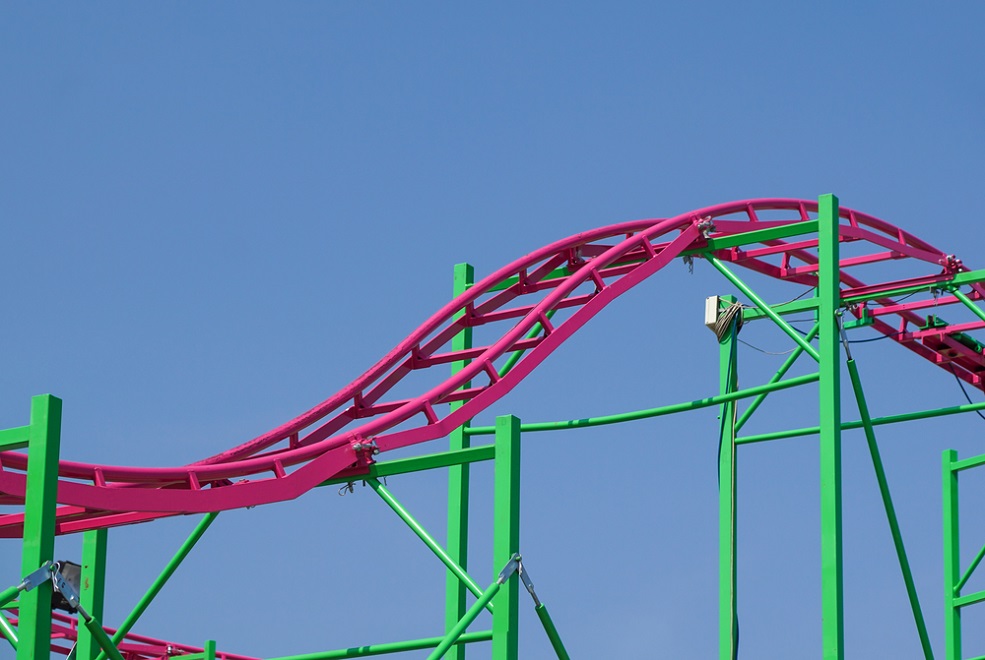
(952, 556)
(780, 373)
(829, 350)
(763, 307)
(458, 483)
(718, 399)
(887, 502)
(91, 589)
(391, 647)
(161, 580)
(728, 378)
(876, 421)
(460, 575)
(34, 615)
(506, 535)
(419, 464)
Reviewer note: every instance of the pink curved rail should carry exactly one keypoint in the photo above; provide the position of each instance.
(572, 279)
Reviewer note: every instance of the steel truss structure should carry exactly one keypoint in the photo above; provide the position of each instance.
(524, 311)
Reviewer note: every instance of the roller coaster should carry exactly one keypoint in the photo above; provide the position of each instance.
(491, 336)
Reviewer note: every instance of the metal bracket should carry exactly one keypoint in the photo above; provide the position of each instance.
(38, 577)
(509, 569)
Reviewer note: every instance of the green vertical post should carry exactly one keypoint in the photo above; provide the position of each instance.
(506, 535)
(829, 348)
(952, 557)
(91, 589)
(34, 622)
(728, 379)
(458, 484)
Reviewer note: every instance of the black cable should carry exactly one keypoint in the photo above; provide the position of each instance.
(961, 385)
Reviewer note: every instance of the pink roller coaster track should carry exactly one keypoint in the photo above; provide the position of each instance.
(547, 296)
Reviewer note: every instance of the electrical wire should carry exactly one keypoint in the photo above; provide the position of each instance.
(963, 390)
(765, 352)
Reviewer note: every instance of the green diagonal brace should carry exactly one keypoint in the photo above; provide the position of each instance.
(887, 501)
(161, 580)
(422, 534)
(780, 373)
(765, 308)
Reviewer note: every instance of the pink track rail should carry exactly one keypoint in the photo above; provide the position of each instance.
(554, 292)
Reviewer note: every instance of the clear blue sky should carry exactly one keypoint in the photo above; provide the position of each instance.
(217, 214)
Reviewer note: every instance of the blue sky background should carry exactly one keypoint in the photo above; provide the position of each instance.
(217, 214)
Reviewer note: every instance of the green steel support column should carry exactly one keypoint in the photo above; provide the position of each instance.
(34, 616)
(91, 589)
(161, 580)
(887, 502)
(458, 485)
(506, 535)
(952, 557)
(728, 381)
(829, 345)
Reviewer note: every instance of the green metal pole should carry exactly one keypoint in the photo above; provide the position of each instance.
(761, 304)
(91, 588)
(952, 557)
(161, 580)
(551, 630)
(506, 534)
(8, 631)
(459, 628)
(969, 303)
(458, 485)
(780, 373)
(728, 379)
(460, 575)
(392, 647)
(829, 300)
(8, 595)
(876, 421)
(34, 616)
(707, 402)
(99, 635)
(887, 501)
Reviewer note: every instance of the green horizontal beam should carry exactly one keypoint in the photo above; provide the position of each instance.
(758, 236)
(419, 463)
(969, 277)
(970, 599)
(974, 461)
(792, 307)
(653, 412)
(15, 438)
(877, 421)
(721, 243)
(392, 647)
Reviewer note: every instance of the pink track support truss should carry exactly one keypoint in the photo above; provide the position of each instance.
(528, 308)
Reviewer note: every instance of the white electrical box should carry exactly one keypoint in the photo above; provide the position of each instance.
(711, 311)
